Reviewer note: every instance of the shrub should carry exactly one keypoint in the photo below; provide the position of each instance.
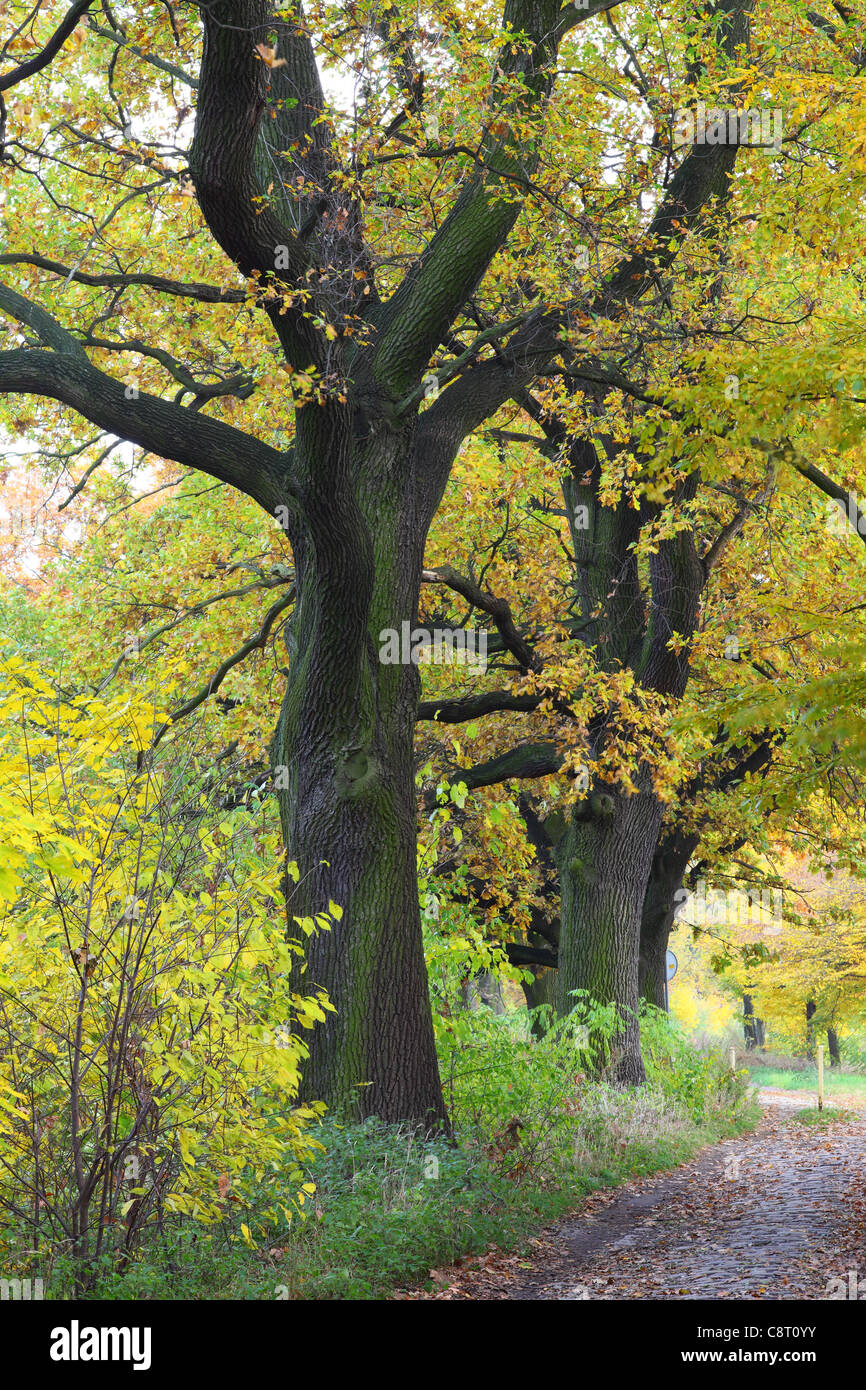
(528, 1098)
(702, 1082)
(149, 1047)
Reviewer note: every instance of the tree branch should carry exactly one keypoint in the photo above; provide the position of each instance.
(703, 174)
(527, 760)
(195, 610)
(233, 95)
(206, 294)
(847, 500)
(729, 533)
(162, 428)
(572, 15)
(49, 50)
(461, 710)
(241, 386)
(519, 954)
(120, 41)
(216, 680)
(418, 314)
(498, 609)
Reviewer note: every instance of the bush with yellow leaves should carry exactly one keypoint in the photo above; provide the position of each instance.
(151, 1039)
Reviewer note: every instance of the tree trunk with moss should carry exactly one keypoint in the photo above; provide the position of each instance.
(604, 864)
(367, 472)
(343, 767)
(609, 839)
(364, 475)
(661, 901)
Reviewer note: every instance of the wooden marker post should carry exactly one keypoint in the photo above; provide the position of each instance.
(820, 1076)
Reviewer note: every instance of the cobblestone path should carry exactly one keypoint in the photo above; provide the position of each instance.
(779, 1214)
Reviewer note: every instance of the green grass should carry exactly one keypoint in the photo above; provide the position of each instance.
(820, 1119)
(387, 1227)
(835, 1080)
(535, 1136)
(390, 1208)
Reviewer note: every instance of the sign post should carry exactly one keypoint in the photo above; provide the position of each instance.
(670, 971)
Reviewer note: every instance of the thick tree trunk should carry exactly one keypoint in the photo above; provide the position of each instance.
(833, 1044)
(604, 867)
(343, 763)
(811, 1010)
(488, 989)
(652, 964)
(606, 854)
(750, 1036)
(350, 826)
(669, 864)
(538, 991)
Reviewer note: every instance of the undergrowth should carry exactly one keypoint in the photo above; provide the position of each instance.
(534, 1133)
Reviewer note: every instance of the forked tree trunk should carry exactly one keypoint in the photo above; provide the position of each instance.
(604, 867)
(343, 764)
(606, 854)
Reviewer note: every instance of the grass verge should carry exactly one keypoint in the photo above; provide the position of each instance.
(390, 1207)
(839, 1082)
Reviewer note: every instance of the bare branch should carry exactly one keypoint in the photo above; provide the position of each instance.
(460, 711)
(216, 680)
(207, 294)
(498, 609)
